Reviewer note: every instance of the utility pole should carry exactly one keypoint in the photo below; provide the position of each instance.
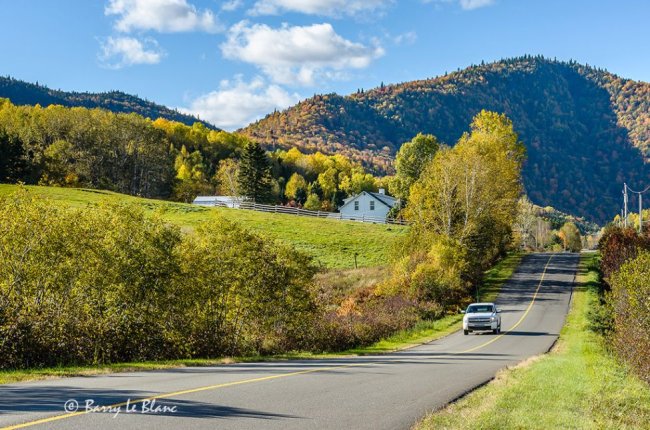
(640, 213)
(625, 204)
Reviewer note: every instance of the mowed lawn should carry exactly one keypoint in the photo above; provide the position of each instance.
(332, 243)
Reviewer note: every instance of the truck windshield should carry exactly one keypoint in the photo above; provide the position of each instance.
(473, 309)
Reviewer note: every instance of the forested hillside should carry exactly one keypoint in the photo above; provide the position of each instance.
(25, 93)
(586, 130)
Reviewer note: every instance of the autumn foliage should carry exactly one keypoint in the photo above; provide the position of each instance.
(625, 266)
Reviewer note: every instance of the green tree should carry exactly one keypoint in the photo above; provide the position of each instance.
(527, 222)
(468, 195)
(294, 185)
(411, 160)
(227, 178)
(328, 181)
(570, 236)
(301, 196)
(12, 162)
(358, 182)
(313, 202)
(59, 162)
(255, 174)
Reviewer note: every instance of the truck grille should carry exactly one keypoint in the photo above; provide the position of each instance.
(479, 320)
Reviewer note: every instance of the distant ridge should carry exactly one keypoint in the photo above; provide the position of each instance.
(586, 130)
(25, 93)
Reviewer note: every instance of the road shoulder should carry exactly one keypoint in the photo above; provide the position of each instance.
(578, 384)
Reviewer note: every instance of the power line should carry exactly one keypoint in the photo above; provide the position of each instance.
(627, 189)
(638, 192)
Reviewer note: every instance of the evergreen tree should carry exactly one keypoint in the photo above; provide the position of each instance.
(255, 174)
(12, 162)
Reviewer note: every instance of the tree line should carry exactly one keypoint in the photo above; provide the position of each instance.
(127, 153)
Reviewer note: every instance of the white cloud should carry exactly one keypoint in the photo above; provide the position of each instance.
(118, 52)
(167, 16)
(237, 103)
(407, 38)
(295, 54)
(475, 4)
(317, 7)
(232, 5)
(464, 4)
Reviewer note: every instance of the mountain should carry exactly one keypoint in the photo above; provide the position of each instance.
(25, 93)
(586, 130)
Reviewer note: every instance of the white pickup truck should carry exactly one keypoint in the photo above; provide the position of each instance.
(482, 317)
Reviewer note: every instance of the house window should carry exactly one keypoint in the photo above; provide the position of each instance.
(356, 206)
(372, 205)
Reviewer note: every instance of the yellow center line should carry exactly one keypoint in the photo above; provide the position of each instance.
(530, 306)
(178, 393)
(264, 378)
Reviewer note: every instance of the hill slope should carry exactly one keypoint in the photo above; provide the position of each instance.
(586, 130)
(25, 93)
(332, 243)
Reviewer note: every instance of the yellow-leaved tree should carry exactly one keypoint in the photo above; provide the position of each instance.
(463, 206)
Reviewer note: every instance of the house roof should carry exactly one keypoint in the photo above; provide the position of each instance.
(211, 199)
(388, 200)
(382, 198)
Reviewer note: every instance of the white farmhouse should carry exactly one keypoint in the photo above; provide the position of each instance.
(368, 206)
(223, 201)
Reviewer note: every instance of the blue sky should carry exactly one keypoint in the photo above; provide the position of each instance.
(232, 61)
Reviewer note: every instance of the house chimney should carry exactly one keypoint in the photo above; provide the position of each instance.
(382, 191)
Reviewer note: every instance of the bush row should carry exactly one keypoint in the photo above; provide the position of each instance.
(631, 304)
(624, 314)
(107, 284)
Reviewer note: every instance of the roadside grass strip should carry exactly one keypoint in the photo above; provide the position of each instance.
(579, 385)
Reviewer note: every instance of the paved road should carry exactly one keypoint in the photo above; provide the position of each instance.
(373, 392)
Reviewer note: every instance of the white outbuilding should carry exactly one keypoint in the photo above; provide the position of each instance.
(222, 201)
(368, 206)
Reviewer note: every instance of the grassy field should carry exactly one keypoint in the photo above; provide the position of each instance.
(332, 243)
(579, 385)
(425, 331)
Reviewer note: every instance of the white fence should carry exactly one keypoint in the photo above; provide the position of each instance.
(317, 214)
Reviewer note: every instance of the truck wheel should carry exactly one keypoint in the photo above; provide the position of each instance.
(495, 331)
(465, 332)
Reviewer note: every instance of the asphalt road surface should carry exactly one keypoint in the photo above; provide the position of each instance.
(390, 391)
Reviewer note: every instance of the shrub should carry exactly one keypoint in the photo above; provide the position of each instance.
(106, 284)
(361, 320)
(631, 302)
(245, 293)
(619, 245)
(435, 272)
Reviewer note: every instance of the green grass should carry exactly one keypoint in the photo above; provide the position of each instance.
(579, 385)
(332, 243)
(423, 332)
(496, 276)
